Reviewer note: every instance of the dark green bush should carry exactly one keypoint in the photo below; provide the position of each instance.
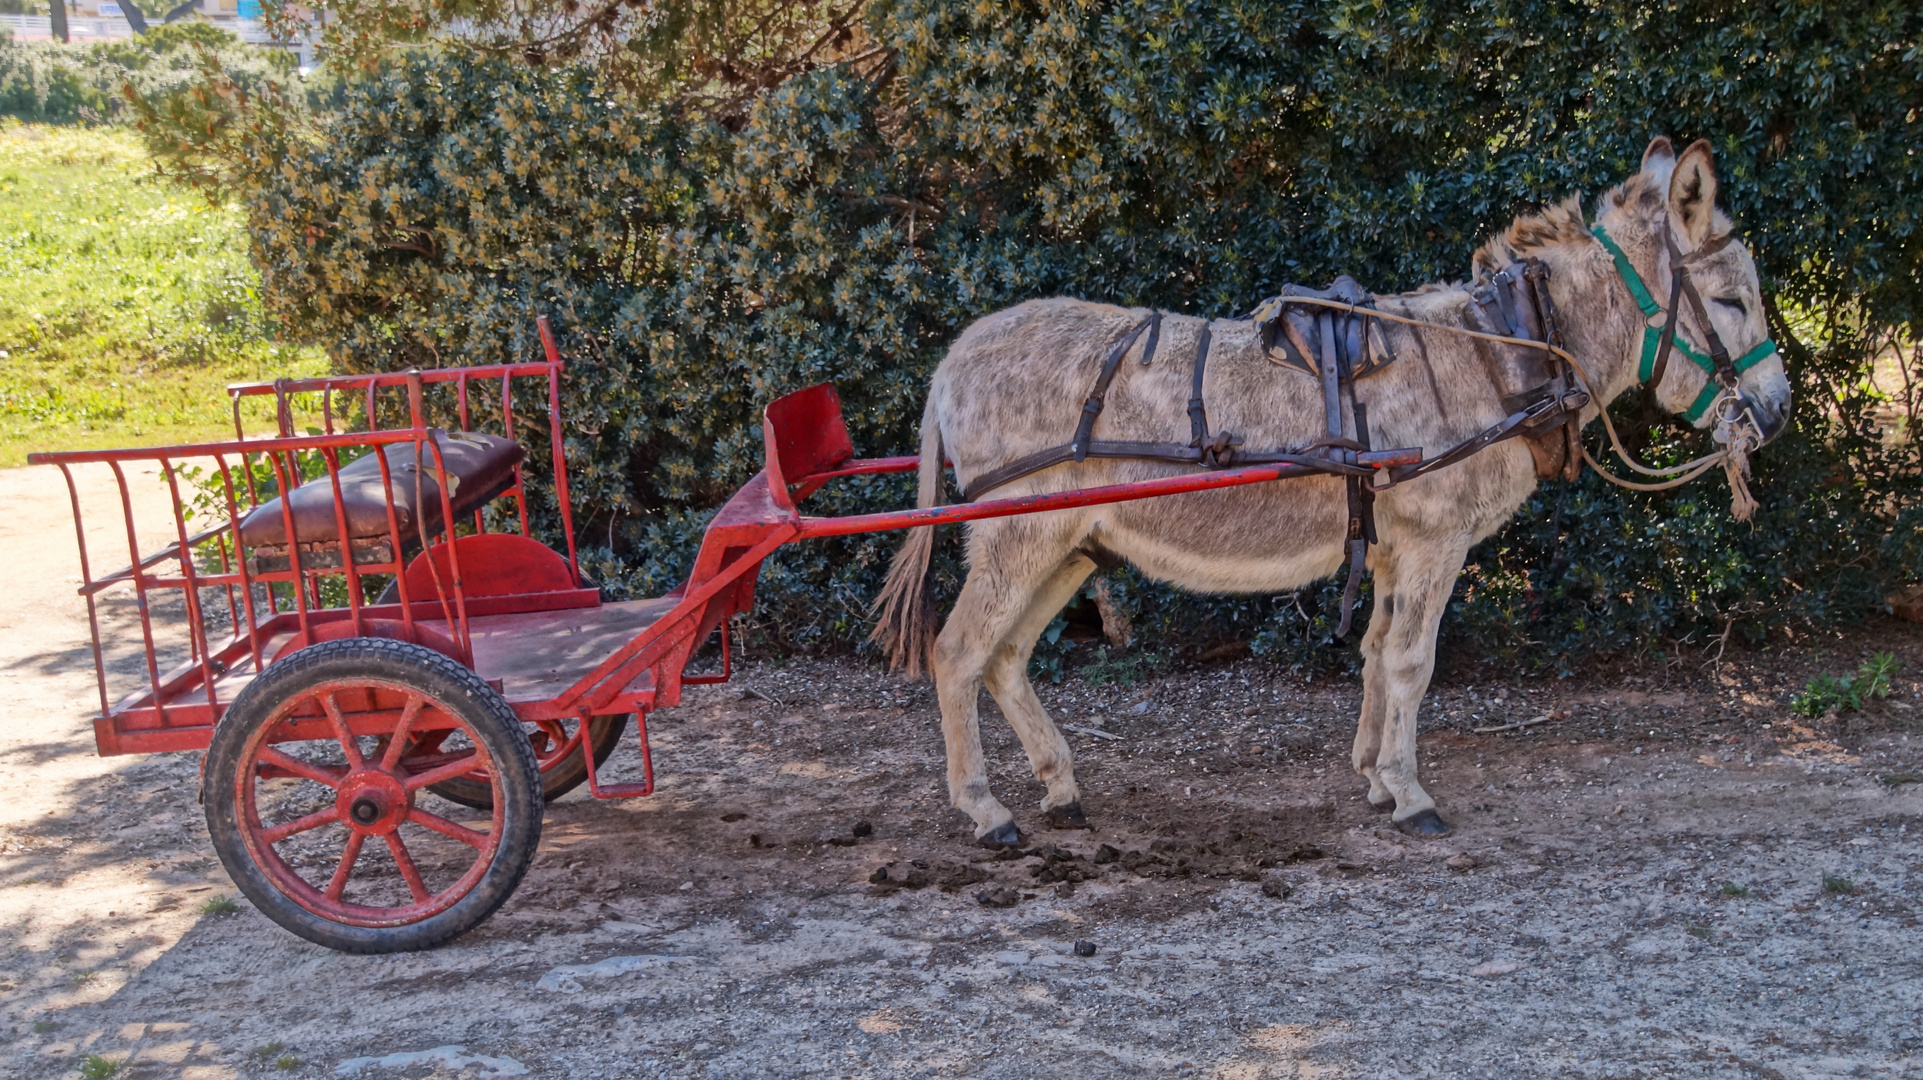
(1192, 156)
(64, 84)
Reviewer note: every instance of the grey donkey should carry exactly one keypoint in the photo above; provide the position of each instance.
(1015, 380)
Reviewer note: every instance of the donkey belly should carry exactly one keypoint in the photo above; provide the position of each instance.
(1275, 537)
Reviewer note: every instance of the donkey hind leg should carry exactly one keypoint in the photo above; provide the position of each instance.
(1007, 679)
(1007, 568)
(1369, 727)
(1422, 581)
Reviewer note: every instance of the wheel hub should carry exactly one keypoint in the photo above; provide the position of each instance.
(374, 802)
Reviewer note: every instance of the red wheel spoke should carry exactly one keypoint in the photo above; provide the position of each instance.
(455, 829)
(409, 872)
(397, 744)
(338, 884)
(320, 774)
(459, 767)
(349, 746)
(299, 825)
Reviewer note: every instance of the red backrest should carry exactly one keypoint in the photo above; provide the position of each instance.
(804, 434)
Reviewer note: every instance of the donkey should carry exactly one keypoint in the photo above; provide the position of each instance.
(1014, 382)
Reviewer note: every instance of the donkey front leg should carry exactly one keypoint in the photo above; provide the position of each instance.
(1007, 680)
(1397, 675)
(1375, 709)
(1010, 562)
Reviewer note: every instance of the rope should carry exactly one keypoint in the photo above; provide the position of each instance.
(1739, 435)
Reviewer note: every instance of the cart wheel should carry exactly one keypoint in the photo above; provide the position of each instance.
(324, 826)
(557, 751)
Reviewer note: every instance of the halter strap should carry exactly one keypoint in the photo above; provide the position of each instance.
(1652, 335)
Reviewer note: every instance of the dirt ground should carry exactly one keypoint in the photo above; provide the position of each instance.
(1674, 876)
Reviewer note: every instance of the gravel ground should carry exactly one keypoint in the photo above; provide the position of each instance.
(1672, 876)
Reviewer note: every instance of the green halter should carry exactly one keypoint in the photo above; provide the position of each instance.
(1653, 334)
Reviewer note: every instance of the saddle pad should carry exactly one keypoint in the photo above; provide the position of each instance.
(479, 467)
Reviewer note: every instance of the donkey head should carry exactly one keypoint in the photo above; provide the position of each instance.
(1665, 221)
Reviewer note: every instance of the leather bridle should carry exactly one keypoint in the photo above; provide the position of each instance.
(1660, 324)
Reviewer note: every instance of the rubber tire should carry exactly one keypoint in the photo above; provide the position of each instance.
(557, 779)
(493, 721)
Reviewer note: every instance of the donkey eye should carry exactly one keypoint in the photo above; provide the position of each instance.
(1730, 302)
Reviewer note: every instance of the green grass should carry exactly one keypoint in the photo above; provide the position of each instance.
(1843, 886)
(1847, 693)
(98, 1068)
(126, 305)
(220, 905)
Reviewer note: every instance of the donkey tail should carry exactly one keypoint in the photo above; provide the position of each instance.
(905, 624)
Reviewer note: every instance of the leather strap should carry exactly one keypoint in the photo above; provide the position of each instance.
(1198, 413)
(1098, 396)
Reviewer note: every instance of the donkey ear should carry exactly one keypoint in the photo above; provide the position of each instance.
(1692, 194)
(1660, 158)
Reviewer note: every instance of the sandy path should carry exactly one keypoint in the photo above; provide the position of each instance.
(726, 928)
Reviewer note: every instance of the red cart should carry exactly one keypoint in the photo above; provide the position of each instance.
(376, 764)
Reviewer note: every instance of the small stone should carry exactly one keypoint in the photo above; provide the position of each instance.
(1276, 888)
(1084, 948)
(1065, 890)
(1492, 968)
(863, 829)
(1106, 854)
(1000, 896)
(1140, 708)
(1462, 861)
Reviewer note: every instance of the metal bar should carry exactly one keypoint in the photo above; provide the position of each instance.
(246, 446)
(293, 541)
(863, 467)
(240, 562)
(140, 588)
(331, 459)
(386, 379)
(1030, 504)
(253, 503)
(507, 425)
(463, 637)
(556, 440)
(196, 619)
(126, 572)
(93, 616)
(480, 524)
(394, 538)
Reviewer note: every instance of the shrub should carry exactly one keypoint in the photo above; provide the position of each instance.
(64, 83)
(1188, 156)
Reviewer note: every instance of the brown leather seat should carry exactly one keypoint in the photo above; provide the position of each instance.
(479, 467)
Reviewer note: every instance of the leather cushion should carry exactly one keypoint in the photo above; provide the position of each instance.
(479, 467)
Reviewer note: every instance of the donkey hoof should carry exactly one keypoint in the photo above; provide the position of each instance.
(1426, 823)
(1067, 817)
(1005, 835)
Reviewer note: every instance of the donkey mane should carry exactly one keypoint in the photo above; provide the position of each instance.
(1558, 223)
